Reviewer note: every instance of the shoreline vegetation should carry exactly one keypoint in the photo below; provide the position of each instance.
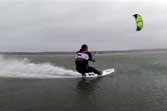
(95, 52)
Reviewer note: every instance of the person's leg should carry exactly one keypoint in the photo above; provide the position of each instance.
(92, 69)
(81, 71)
(80, 68)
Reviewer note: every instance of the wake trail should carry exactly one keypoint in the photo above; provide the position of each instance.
(15, 68)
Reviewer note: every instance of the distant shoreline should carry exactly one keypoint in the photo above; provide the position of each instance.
(96, 52)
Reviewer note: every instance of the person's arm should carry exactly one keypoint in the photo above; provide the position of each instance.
(90, 57)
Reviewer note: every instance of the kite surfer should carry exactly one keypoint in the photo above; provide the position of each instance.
(82, 58)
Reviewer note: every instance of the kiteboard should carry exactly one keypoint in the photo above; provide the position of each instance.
(104, 73)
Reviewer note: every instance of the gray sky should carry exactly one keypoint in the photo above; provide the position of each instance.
(63, 25)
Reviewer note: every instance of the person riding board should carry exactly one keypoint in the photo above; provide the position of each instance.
(83, 56)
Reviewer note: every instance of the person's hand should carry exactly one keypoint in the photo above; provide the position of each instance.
(93, 60)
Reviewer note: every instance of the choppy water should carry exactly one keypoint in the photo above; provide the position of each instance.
(139, 83)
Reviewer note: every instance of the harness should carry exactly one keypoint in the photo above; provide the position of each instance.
(83, 56)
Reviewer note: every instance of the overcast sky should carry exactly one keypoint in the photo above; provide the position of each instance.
(63, 25)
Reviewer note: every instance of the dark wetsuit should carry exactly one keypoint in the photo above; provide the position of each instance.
(82, 63)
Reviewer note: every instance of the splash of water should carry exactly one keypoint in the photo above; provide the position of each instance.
(25, 69)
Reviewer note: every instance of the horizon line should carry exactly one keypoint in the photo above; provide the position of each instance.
(71, 52)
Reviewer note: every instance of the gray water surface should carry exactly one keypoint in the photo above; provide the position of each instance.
(139, 84)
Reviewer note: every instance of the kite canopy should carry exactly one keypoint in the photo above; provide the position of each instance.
(139, 22)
